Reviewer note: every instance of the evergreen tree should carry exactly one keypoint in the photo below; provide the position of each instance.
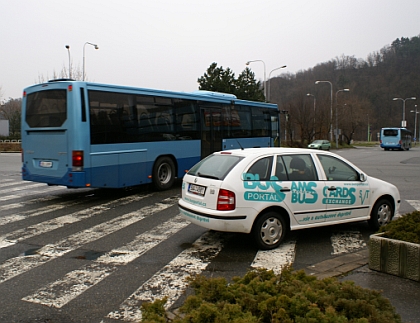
(245, 87)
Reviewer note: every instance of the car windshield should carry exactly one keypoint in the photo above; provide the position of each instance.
(317, 142)
(215, 166)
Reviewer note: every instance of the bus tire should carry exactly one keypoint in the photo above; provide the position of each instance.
(163, 175)
(269, 230)
(381, 214)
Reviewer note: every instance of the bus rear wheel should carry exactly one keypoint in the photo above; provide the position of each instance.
(163, 176)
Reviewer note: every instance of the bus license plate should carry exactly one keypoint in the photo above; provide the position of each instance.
(196, 189)
(45, 164)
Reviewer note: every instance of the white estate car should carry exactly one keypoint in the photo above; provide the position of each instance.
(269, 191)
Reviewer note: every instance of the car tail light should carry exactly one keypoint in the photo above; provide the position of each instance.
(77, 160)
(226, 200)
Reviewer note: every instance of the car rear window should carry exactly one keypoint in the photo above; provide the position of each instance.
(215, 166)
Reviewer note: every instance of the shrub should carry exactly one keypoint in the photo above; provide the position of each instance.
(405, 228)
(262, 296)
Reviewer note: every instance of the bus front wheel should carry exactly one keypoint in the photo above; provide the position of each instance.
(163, 173)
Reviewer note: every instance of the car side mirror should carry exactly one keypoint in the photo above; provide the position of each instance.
(363, 177)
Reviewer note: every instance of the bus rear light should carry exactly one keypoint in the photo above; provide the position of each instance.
(24, 94)
(70, 88)
(226, 200)
(77, 160)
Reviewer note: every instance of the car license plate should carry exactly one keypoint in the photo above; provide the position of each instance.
(45, 164)
(196, 189)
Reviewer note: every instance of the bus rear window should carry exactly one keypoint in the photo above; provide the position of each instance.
(46, 108)
(391, 133)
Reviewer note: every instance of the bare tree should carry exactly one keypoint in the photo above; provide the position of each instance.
(11, 110)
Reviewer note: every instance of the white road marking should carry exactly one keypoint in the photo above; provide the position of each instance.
(21, 188)
(16, 266)
(24, 192)
(62, 291)
(50, 225)
(276, 259)
(415, 204)
(346, 242)
(31, 213)
(171, 280)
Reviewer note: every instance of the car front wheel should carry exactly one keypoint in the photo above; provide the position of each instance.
(381, 214)
(269, 230)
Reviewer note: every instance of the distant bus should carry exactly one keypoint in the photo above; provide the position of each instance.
(395, 138)
(81, 134)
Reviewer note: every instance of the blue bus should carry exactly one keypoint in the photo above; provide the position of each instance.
(395, 138)
(82, 134)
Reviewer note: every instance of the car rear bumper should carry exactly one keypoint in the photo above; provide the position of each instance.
(217, 222)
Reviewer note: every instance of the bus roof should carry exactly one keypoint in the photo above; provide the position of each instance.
(199, 95)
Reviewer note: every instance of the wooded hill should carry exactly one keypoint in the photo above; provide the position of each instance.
(392, 72)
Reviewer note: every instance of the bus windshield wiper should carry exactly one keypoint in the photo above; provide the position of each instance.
(207, 176)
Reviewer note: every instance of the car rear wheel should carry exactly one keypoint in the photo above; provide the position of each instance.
(269, 230)
(381, 214)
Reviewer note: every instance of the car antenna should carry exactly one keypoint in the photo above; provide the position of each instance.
(242, 148)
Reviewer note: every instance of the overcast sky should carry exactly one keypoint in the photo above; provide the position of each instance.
(169, 44)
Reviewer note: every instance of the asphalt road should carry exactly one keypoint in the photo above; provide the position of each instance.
(93, 255)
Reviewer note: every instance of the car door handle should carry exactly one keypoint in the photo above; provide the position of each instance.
(285, 189)
(332, 188)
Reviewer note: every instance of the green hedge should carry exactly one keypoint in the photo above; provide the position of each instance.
(261, 296)
(405, 228)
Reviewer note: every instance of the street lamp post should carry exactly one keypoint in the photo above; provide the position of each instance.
(87, 43)
(265, 89)
(336, 118)
(404, 122)
(309, 94)
(317, 82)
(269, 82)
(415, 123)
(68, 49)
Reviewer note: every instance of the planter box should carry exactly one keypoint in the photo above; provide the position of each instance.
(394, 257)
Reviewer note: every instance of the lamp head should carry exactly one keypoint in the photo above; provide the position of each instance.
(247, 63)
(68, 46)
(316, 82)
(346, 90)
(96, 47)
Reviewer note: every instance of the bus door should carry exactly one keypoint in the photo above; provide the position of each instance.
(211, 130)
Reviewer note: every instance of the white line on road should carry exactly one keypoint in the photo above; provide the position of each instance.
(171, 280)
(18, 265)
(62, 291)
(346, 242)
(276, 259)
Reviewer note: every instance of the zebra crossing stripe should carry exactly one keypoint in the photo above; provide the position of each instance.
(415, 204)
(275, 259)
(62, 291)
(25, 193)
(11, 206)
(50, 225)
(18, 265)
(6, 182)
(171, 280)
(22, 188)
(346, 242)
(27, 214)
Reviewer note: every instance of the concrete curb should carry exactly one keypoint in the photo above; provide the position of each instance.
(339, 265)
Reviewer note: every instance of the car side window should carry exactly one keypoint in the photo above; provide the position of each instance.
(261, 169)
(300, 168)
(337, 170)
(280, 172)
